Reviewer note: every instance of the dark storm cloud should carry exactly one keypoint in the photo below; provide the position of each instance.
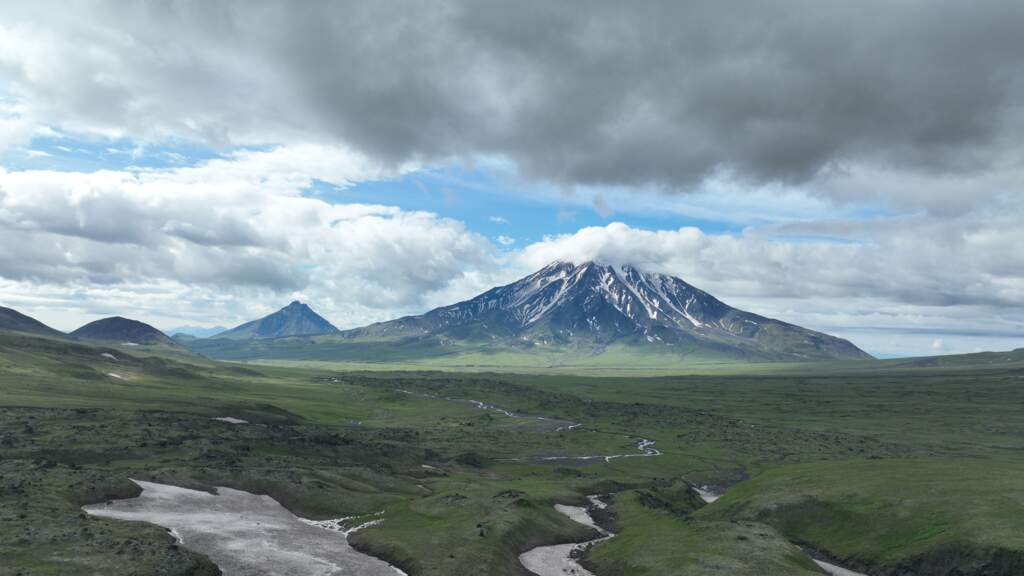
(663, 93)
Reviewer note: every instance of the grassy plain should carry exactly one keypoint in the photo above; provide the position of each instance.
(890, 466)
(476, 354)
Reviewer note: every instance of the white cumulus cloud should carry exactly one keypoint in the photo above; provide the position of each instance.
(239, 225)
(911, 276)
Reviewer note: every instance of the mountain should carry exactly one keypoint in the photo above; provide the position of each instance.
(597, 306)
(123, 331)
(295, 319)
(566, 316)
(195, 331)
(13, 320)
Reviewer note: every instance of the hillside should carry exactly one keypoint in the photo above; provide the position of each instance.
(15, 321)
(295, 319)
(973, 360)
(123, 331)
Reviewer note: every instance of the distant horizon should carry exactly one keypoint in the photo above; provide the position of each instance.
(846, 180)
(1013, 342)
(881, 355)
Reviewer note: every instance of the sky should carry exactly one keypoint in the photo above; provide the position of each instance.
(854, 168)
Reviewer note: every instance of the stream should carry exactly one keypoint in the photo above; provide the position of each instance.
(833, 570)
(251, 535)
(646, 448)
(560, 559)
(643, 445)
(558, 425)
(710, 496)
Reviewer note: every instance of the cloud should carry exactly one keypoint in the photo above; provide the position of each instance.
(14, 132)
(911, 261)
(912, 274)
(566, 216)
(601, 206)
(235, 237)
(871, 149)
(238, 225)
(666, 94)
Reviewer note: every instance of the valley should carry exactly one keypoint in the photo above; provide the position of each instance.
(467, 467)
(463, 288)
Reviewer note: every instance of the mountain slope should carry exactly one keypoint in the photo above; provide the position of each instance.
(584, 316)
(15, 321)
(124, 331)
(1012, 359)
(295, 319)
(599, 305)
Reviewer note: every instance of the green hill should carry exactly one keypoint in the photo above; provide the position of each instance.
(11, 319)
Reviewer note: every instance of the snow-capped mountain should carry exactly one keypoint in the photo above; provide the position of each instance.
(594, 304)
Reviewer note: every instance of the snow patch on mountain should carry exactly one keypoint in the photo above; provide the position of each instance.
(592, 302)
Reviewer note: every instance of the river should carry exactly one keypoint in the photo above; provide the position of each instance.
(251, 535)
(560, 559)
(710, 496)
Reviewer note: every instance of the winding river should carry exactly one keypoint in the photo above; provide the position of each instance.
(560, 559)
(644, 446)
(710, 496)
(251, 535)
(556, 424)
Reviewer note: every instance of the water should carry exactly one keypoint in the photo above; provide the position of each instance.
(558, 560)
